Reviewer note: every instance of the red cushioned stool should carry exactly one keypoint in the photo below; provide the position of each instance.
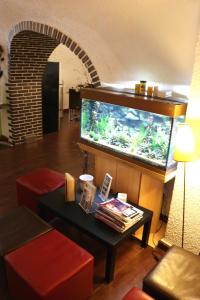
(17, 228)
(136, 294)
(51, 267)
(37, 183)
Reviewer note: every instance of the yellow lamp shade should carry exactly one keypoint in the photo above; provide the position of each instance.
(184, 149)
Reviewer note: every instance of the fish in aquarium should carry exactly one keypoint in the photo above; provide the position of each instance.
(136, 133)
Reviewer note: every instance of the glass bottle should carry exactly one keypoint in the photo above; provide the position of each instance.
(142, 87)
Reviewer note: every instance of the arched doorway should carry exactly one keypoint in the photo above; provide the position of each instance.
(30, 46)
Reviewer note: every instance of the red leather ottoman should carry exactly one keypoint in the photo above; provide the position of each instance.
(18, 227)
(37, 183)
(51, 267)
(136, 294)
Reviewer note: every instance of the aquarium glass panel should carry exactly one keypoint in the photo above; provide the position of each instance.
(175, 123)
(132, 132)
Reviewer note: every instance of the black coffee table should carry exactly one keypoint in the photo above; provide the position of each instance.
(73, 214)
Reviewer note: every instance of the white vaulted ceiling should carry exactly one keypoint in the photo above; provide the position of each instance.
(125, 39)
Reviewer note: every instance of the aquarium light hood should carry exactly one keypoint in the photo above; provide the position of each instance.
(172, 107)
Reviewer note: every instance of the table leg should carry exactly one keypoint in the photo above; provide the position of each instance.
(41, 211)
(110, 263)
(145, 235)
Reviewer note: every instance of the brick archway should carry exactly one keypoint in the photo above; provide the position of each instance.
(30, 45)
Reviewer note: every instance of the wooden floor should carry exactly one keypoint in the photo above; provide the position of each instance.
(59, 151)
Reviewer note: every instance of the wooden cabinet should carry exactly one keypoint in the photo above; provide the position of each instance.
(141, 185)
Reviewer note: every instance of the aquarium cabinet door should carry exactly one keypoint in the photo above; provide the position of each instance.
(151, 197)
(126, 179)
(141, 188)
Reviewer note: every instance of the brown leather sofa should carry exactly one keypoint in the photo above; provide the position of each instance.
(176, 276)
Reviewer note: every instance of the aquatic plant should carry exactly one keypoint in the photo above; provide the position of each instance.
(94, 136)
(138, 138)
(91, 134)
(150, 142)
(124, 141)
(102, 125)
(91, 110)
(159, 145)
(84, 119)
(119, 139)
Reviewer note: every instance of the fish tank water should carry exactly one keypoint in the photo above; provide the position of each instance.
(142, 135)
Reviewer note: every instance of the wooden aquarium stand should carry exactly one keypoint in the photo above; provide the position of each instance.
(144, 186)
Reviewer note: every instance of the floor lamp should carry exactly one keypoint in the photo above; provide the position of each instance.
(184, 151)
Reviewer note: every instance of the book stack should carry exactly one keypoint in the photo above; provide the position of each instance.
(118, 214)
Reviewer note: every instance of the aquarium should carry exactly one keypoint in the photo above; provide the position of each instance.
(142, 135)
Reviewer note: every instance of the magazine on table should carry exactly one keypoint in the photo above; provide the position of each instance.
(110, 223)
(111, 218)
(118, 222)
(114, 225)
(117, 217)
(120, 208)
(118, 214)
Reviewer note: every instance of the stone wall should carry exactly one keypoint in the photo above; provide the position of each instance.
(30, 46)
(28, 58)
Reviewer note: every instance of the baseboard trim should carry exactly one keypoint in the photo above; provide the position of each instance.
(163, 244)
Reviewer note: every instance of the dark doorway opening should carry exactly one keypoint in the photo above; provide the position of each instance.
(50, 98)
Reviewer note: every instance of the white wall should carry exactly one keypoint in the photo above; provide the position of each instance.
(72, 71)
(192, 207)
(126, 39)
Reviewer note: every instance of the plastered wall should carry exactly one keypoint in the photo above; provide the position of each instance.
(72, 72)
(192, 207)
(126, 40)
